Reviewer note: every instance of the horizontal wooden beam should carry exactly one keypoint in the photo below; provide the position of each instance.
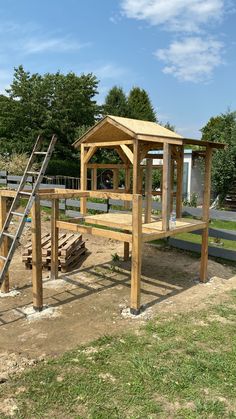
(106, 166)
(111, 234)
(108, 143)
(162, 234)
(155, 139)
(74, 193)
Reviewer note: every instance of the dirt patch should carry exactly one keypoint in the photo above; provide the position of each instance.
(93, 300)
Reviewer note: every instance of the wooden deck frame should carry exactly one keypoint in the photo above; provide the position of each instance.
(132, 147)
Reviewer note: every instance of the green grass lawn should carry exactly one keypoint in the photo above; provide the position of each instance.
(195, 238)
(178, 366)
(226, 225)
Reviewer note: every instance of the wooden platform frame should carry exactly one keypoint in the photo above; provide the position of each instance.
(132, 147)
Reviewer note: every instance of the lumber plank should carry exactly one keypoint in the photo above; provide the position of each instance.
(95, 231)
(205, 214)
(166, 187)
(4, 247)
(128, 152)
(148, 191)
(136, 253)
(83, 180)
(36, 256)
(136, 165)
(89, 154)
(179, 187)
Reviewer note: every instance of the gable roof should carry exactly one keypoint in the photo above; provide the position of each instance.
(115, 128)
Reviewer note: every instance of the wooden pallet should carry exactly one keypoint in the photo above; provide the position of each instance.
(70, 250)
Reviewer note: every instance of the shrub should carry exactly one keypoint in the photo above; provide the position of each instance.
(63, 168)
(15, 164)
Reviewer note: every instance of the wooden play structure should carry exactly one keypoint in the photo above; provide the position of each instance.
(135, 142)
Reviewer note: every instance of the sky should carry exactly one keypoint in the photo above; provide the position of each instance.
(182, 52)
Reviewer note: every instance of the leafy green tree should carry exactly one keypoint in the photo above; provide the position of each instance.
(52, 103)
(169, 126)
(222, 129)
(115, 102)
(140, 106)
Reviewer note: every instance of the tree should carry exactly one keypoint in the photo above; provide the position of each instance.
(52, 103)
(222, 129)
(140, 106)
(115, 102)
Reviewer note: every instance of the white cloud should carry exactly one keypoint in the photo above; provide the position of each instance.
(34, 45)
(109, 71)
(191, 59)
(177, 15)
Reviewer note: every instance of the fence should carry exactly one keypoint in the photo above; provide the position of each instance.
(12, 181)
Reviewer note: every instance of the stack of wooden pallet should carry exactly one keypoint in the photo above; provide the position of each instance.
(70, 249)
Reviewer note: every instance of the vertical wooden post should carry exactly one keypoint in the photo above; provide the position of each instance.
(172, 178)
(205, 214)
(136, 254)
(94, 179)
(148, 191)
(127, 185)
(166, 186)
(54, 238)
(127, 207)
(83, 180)
(37, 256)
(115, 179)
(4, 247)
(136, 171)
(179, 188)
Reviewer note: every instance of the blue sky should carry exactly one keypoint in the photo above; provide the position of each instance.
(183, 52)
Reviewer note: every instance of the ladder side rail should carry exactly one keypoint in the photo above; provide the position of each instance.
(21, 185)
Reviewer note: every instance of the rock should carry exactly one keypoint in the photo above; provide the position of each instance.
(3, 378)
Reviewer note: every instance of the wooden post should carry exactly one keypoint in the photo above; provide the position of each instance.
(115, 179)
(127, 185)
(37, 256)
(54, 238)
(126, 248)
(166, 186)
(136, 254)
(4, 247)
(94, 179)
(136, 167)
(127, 207)
(172, 178)
(179, 187)
(148, 191)
(205, 214)
(83, 180)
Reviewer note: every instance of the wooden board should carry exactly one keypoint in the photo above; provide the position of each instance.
(70, 249)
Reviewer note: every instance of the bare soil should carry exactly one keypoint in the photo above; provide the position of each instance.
(93, 300)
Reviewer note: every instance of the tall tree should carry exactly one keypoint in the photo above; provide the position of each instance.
(222, 129)
(115, 102)
(140, 106)
(52, 103)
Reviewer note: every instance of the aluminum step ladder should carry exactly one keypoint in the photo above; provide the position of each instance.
(41, 151)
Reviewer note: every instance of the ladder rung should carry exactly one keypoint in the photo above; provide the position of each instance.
(11, 236)
(25, 193)
(40, 152)
(32, 173)
(3, 257)
(18, 214)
